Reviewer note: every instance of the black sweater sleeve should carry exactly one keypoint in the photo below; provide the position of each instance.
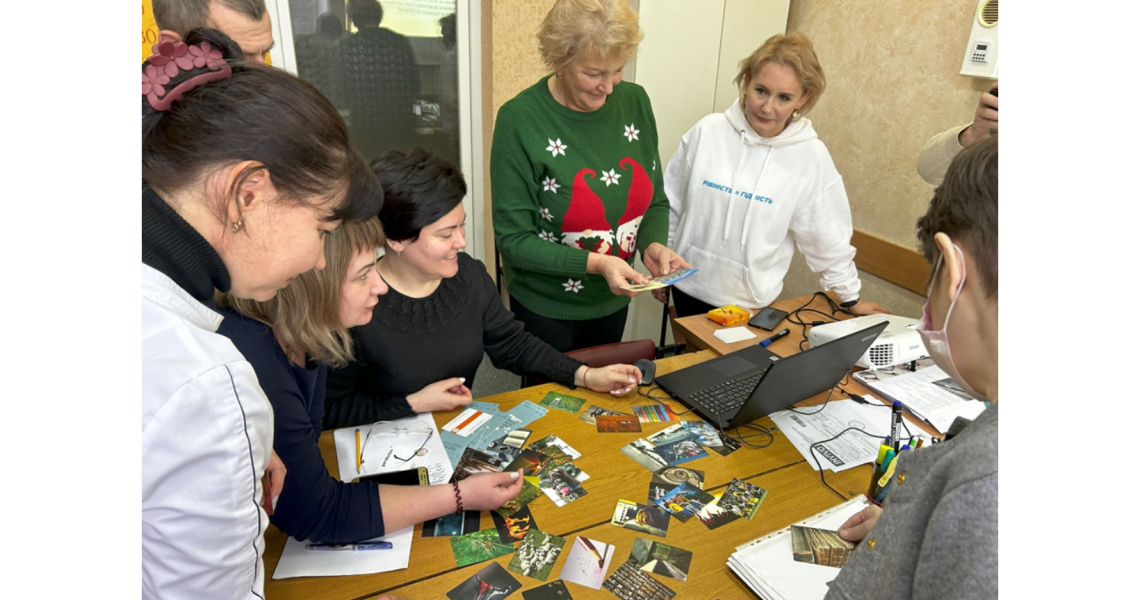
(350, 400)
(510, 347)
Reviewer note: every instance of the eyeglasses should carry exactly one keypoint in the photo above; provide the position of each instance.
(388, 428)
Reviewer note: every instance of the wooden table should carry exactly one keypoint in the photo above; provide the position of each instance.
(699, 330)
(795, 493)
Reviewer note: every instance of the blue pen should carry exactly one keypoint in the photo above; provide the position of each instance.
(775, 336)
(357, 546)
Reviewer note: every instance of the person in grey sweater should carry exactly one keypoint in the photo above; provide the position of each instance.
(937, 536)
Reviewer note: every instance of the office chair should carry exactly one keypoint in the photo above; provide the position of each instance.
(604, 356)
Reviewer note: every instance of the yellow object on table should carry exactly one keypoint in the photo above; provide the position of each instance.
(729, 315)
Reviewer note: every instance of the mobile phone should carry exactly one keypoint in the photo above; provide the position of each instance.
(417, 476)
(768, 318)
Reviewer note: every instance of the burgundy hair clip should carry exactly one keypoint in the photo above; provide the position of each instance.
(170, 59)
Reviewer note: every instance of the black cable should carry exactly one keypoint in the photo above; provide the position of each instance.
(819, 467)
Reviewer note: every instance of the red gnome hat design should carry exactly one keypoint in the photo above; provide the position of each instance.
(637, 202)
(586, 217)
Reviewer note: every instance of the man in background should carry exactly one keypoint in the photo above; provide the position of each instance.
(246, 22)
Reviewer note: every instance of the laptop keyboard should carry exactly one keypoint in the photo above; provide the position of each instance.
(725, 397)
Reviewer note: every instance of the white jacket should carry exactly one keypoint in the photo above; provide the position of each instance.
(207, 435)
(740, 203)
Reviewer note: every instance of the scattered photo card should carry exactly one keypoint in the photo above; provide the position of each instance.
(642, 453)
(641, 517)
(728, 445)
(655, 557)
(587, 563)
(478, 547)
(557, 458)
(529, 492)
(742, 498)
(491, 581)
(563, 402)
(680, 452)
(629, 583)
(706, 435)
(713, 516)
(473, 461)
(537, 555)
(655, 413)
(513, 528)
(820, 546)
(671, 435)
(685, 501)
(594, 411)
(667, 478)
(530, 461)
(564, 484)
(508, 447)
(617, 424)
(452, 525)
(553, 441)
(555, 590)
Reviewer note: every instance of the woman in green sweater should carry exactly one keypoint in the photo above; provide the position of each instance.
(576, 181)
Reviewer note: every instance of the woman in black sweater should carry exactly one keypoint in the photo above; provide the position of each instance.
(420, 351)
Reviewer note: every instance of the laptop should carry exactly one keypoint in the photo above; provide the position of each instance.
(748, 384)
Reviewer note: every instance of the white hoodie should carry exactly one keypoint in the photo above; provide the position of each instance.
(740, 203)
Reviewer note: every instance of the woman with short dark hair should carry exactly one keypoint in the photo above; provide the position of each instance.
(420, 351)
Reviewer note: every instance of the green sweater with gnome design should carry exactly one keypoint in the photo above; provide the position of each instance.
(565, 183)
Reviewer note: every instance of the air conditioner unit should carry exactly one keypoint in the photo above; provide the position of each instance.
(898, 343)
(981, 58)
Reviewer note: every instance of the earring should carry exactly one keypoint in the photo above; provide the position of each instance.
(236, 227)
(557, 75)
(796, 112)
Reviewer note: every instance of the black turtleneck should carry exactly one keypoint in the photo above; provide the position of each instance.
(171, 246)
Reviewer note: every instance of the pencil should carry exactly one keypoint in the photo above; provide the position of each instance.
(358, 457)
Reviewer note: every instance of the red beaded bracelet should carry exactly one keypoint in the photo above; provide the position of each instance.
(458, 499)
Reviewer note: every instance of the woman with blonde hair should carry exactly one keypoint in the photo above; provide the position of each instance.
(749, 185)
(290, 341)
(576, 180)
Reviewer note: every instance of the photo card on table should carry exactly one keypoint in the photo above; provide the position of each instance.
(513, 528)
(742, 498)
(617, 424)
(529, 492)
(641, 452)
(452, 525)
(563, 485)
(555, 590)
(630, 583)
(641, 518)
(491, 581)
(713, 515)
(478, 547)
(553, 441)
(563, 402)
(656, 557)
(667, 478)
(684, 501)
(594, 411)
(680, 452)
(587, 563)
(536, 556)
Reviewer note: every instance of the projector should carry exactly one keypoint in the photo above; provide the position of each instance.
(899, 342)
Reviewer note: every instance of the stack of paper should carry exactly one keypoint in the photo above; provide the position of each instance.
(766, 564)
(379, 450)
(928, 392)
(731, 335)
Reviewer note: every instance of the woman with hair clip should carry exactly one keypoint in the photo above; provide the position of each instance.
(245, 169)
(748, 186)
(420, 350)
(290, 340)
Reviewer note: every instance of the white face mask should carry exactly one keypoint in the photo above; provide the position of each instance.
(937, 342)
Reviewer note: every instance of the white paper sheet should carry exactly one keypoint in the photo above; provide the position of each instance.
(931, 394)
(767, 566)
(731, 335)
(298, 561)
(380, 451)
(849, 450)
